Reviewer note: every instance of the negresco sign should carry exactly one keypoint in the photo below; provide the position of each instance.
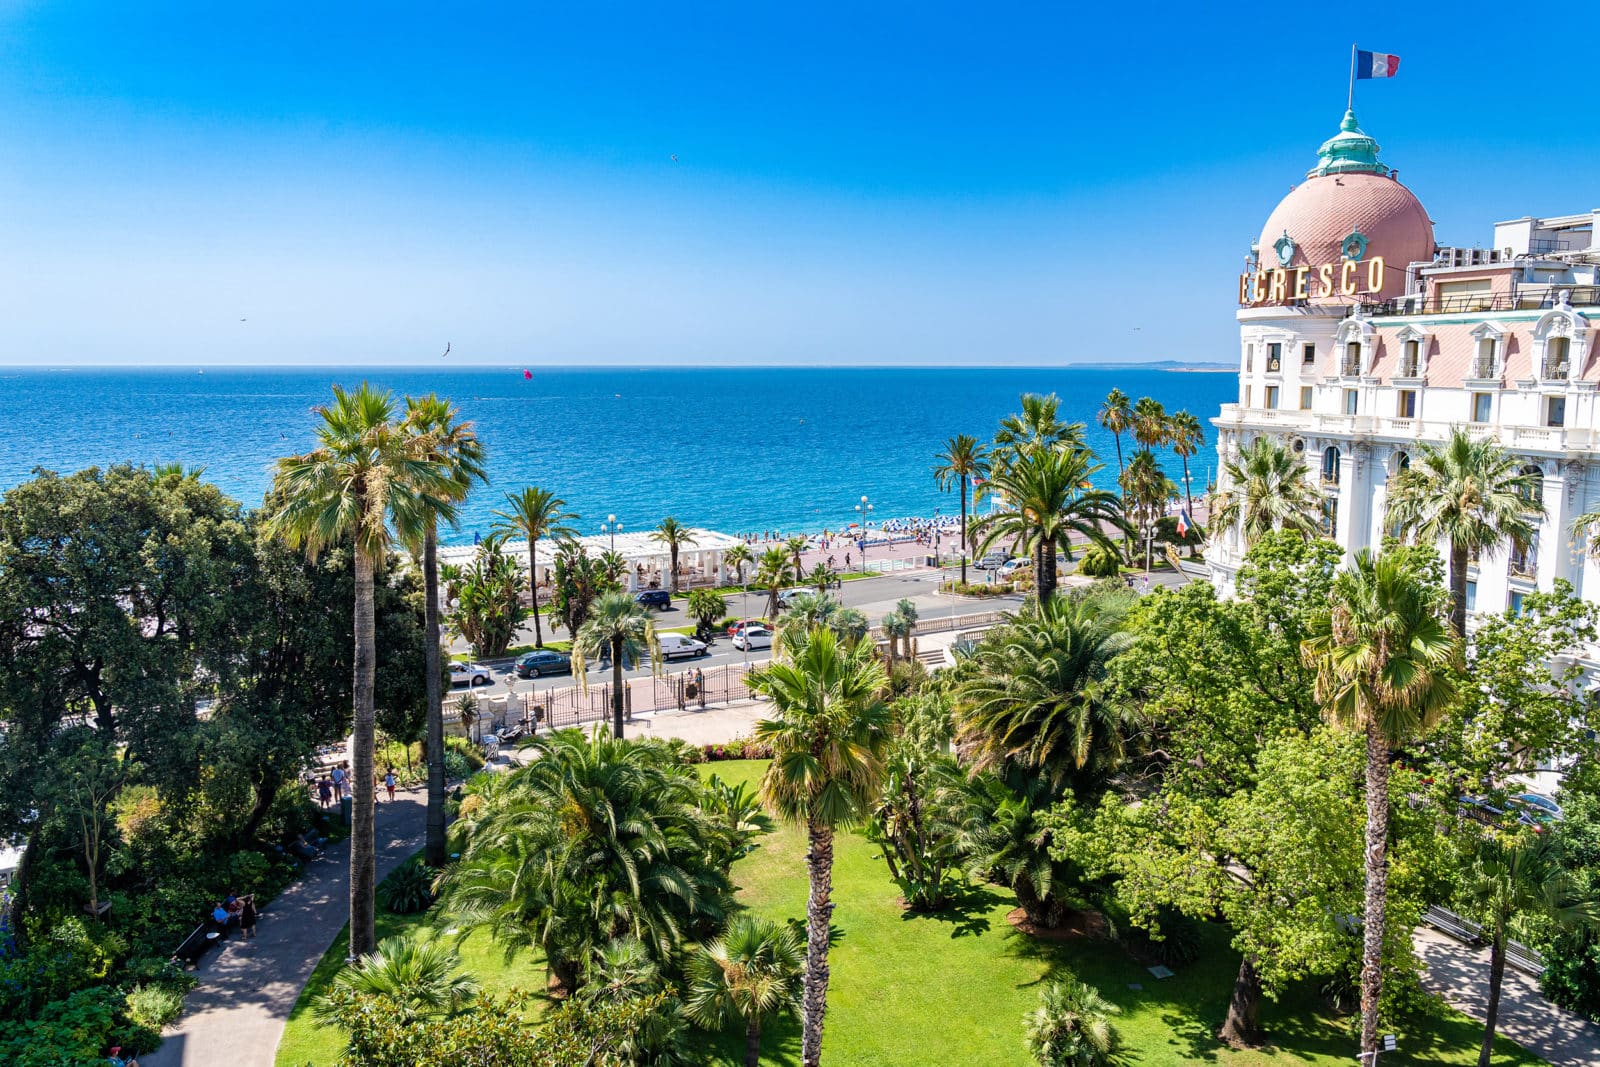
(1348, 278)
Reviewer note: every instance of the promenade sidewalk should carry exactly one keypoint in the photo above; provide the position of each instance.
(235, 1015)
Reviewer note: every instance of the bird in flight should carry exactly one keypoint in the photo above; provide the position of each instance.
(674, 157)
(446, 351)
(244, 320)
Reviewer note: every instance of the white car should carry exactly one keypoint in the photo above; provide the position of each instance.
(470, 674)
(674, 645)
(753, 637)
(1010, 568)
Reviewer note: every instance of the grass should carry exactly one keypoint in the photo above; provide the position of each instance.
(952, 988)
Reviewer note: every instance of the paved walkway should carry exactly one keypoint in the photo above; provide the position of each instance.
(1461, 975)
(235, 1016)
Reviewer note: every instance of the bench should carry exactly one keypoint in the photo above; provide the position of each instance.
(191, 948)
(1524, 959)
(1448, 922)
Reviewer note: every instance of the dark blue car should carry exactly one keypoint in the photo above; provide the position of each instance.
(543, 661)
(655, 598)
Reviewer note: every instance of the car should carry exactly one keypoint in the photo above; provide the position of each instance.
(786, 596)
(676, 646)
(753, 637)
(733, 631)
(654, 598)
(470, 674)
(1010, 567)
(543, 661)
(991, 561)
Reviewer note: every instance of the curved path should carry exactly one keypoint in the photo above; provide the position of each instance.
(235, 1014)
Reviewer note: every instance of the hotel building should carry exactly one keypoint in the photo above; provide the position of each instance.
(1361, 338)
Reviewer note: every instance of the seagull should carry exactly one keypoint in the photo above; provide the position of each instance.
(446, 351)
(244, 320)
(674, 157)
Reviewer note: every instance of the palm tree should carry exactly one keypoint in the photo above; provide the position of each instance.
(674, 535)
(822, 576)
(532, 514)
(1116, 415)
(964, 458)
(1145, 491)
(621, 629)
(1268, 489)
(454, 446)
(420, 975)
(1470, 494)
(751, 973)
(1037, 426)
(1049, 498)
(773, 573)
(1072, 1027)
(796, 545)
(738, 557)
(1384, 665)
(1187, 437)
(895, 628)
(1150, 425)
(827, 741)
(367, 485)
(1520, 876)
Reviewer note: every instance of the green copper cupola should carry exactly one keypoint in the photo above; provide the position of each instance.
(1350, 151)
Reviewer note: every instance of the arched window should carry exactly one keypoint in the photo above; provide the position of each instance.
(1532, 490)
(1399, 463)
(1330, 466)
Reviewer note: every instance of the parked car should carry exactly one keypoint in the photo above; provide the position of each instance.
(753, 637)
(1011, 567)
(543, 661)
(733, 631)
(680, 646)
(470, 674)
(991, 561)
(654, 598)
(786, 596)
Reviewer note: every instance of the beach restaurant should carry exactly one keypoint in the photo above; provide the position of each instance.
(649, 561)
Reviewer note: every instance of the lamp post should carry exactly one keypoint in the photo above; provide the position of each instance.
(864, 510)
(612, 527)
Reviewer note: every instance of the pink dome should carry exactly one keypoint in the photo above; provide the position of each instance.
(1322, 211)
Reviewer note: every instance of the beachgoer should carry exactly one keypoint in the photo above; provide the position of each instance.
(847, 559)
(389, 781)
(247, 916)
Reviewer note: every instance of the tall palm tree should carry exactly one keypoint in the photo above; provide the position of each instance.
(618, 626)
(1038, 425)
(454, 446)
(1116, 415)
(751, 973)
(532, 514)
(1187, 437)
(367, 485)
(796, 545)
(674, 535)
(1150, 425)
(828, 742)
(1520, 876)
(739, 557)
(1471, 494)
(1049, 497)
(963, 459)
(1145, 492)
(772, 574)
(1384, 662)
(1268, 489)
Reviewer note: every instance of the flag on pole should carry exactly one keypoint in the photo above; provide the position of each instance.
(1376, 65)
(1185, 524)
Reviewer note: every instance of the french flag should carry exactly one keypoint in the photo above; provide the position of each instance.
(1185, 524)
(1376, 65)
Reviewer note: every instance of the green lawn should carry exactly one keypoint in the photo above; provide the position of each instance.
(912, 990)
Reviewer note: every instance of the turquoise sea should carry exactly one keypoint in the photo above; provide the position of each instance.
(731, 449)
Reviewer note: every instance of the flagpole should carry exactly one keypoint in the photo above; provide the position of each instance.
(1350, 101)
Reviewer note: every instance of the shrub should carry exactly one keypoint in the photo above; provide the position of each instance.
(248, 870)
(1072, 1027)
(456, 766)
(154, 1006)
(1100, 562)
(1177, 945)
(409, 889)
(71, 1031)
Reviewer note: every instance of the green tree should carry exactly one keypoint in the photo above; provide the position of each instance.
(1268, 488)
(1472, 495)
(674, 535)
(706, 606)
(1145, 492)
(827, 767)
(1572, 954)
(1100, 562)
(1047, 502)
(739, 557)
(621, 630)
(1186, 436)
(454, 446)
(489, 608)
(580, 579)
(1036, 427)
(752, 973)
(1116, 416)
(421, 975)
(534, 514)
(367, 484)
(772, 574)
(963, 461)
(1384, 664)
(1151, 428)
(796, 546)
(1072, 1027)
(822, 576)
(916, 821)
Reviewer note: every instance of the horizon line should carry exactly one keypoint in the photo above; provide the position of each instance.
(1086, 364)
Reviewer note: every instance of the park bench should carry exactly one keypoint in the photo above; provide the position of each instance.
(1448, 922)
(191, 948)
(1524, 959)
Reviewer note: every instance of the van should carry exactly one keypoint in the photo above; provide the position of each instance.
(681, 646)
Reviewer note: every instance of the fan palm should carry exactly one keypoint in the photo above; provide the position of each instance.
(533, 514)
(621, 628)
(827, 741)
(1268, 489)
(1150, 425)
(1072, 1027)
(751, 973)
(1049, 498)
(773, 573)
(674, 535)
(454, 446)
(806, 612)
(366, 484)
(1384, 665)
(1145, 491)
(1037, 426)
(738, 557)
(964, 459)
(420, 975)
(1470, 494)
(822, 576)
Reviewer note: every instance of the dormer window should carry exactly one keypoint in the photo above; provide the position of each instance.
(1487, 353)
(1350, 366)
(1410, 359)
(1556, 352)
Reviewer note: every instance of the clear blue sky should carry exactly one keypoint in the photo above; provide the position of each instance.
(907, 183)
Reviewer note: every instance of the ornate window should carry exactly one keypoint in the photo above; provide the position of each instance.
(1355, 339)
(1488, 355)
(1532, 492)
(1354, 246)
(1413, 353)
(1330, 467)
(1560, 344)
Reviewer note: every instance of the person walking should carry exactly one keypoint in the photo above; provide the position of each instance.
(389, 782)
(339, 780)
(247, 916)
(324, 791)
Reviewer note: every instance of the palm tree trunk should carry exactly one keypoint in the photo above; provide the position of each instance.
(363, 861)
(819, 918)
(673, 585)
(1497, 972)
(752, 1041)
(1377, 883)
(533, 590)
(616, 688)
(1458, 589)
(1127, 545)
(433, 846)
(963, 529)
(1044, 579)
(1241, 1026)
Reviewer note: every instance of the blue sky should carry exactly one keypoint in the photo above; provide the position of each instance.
(891, 183)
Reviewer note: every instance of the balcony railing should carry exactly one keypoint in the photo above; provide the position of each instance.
(1350, 368)
(1555, 369)
(1483, 369)
(1523, 565)
(1522, 298)
(1408, 368)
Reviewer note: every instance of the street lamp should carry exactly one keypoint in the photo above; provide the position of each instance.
(864, 510)
(613, 527)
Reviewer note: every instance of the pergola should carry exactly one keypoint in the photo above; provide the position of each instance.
(648, 560)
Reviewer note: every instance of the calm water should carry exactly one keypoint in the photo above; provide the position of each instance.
(733, 450)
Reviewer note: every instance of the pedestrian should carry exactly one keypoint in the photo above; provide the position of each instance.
(389, 781)
(339, 779)
(324, 791)
(247, 916)
(847, 560)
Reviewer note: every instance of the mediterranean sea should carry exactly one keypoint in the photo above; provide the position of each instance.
(731, 449)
